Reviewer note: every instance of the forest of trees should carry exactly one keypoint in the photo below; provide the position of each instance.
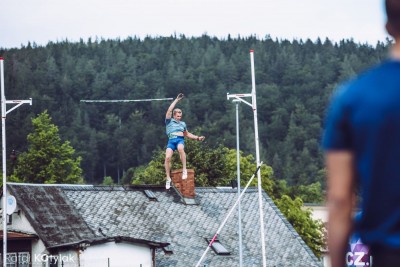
(294, 81)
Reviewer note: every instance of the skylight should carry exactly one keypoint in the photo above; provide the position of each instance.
(219, 248)
(150, 194)
(189, 201)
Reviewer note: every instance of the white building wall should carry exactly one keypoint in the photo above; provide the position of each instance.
(117, 255)
(68, 258)
(39, 256)
(21, 223)
(318, 212)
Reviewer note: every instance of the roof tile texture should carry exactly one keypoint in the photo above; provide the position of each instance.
(128, 212)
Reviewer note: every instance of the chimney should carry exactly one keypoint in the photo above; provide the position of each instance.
(185, 187)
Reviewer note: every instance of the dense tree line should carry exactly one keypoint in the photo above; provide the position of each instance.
(294, 80)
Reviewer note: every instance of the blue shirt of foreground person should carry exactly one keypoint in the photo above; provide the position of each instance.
(362, 150)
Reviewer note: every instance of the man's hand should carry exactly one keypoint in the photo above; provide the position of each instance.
(180, 96)
(201, 138)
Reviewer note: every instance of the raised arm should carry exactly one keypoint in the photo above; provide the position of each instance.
(168, 115)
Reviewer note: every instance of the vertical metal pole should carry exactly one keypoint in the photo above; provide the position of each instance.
(238, 183)
(3, 145)
(4, 112)
(227, 216)
(254, 103)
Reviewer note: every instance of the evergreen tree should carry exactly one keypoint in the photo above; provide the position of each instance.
(48, 159)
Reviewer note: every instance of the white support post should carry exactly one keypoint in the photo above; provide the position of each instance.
(253, 105)
(254, 101)
(4, 112)
(4, 212)
(237, 102)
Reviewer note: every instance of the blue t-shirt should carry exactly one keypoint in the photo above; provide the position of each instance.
(364, 117)
(173, 126)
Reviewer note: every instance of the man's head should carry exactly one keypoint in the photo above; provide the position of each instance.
(393, 17)
(177, 114)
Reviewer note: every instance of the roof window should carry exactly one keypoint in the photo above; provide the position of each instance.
(150, 194)
(218, 247)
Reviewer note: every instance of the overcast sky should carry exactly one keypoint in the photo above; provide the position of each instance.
(41, 21)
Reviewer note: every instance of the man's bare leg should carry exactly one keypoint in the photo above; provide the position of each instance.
(182, 155)
(167, 165)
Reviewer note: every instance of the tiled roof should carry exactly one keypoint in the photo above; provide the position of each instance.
(51, 214)
(128, 212)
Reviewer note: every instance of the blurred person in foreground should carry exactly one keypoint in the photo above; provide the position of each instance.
(362, 152)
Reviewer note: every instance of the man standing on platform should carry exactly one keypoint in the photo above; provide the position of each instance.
(176, 131)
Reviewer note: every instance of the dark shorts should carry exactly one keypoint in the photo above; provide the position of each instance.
(174, 142)
(385, 257)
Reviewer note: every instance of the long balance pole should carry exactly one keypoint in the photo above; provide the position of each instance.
(227, 216)
(4, 112)
(126, 100)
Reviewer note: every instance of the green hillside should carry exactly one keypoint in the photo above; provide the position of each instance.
(294, 80)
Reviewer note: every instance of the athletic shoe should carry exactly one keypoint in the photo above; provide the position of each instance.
(184, 174)
(168, 183)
